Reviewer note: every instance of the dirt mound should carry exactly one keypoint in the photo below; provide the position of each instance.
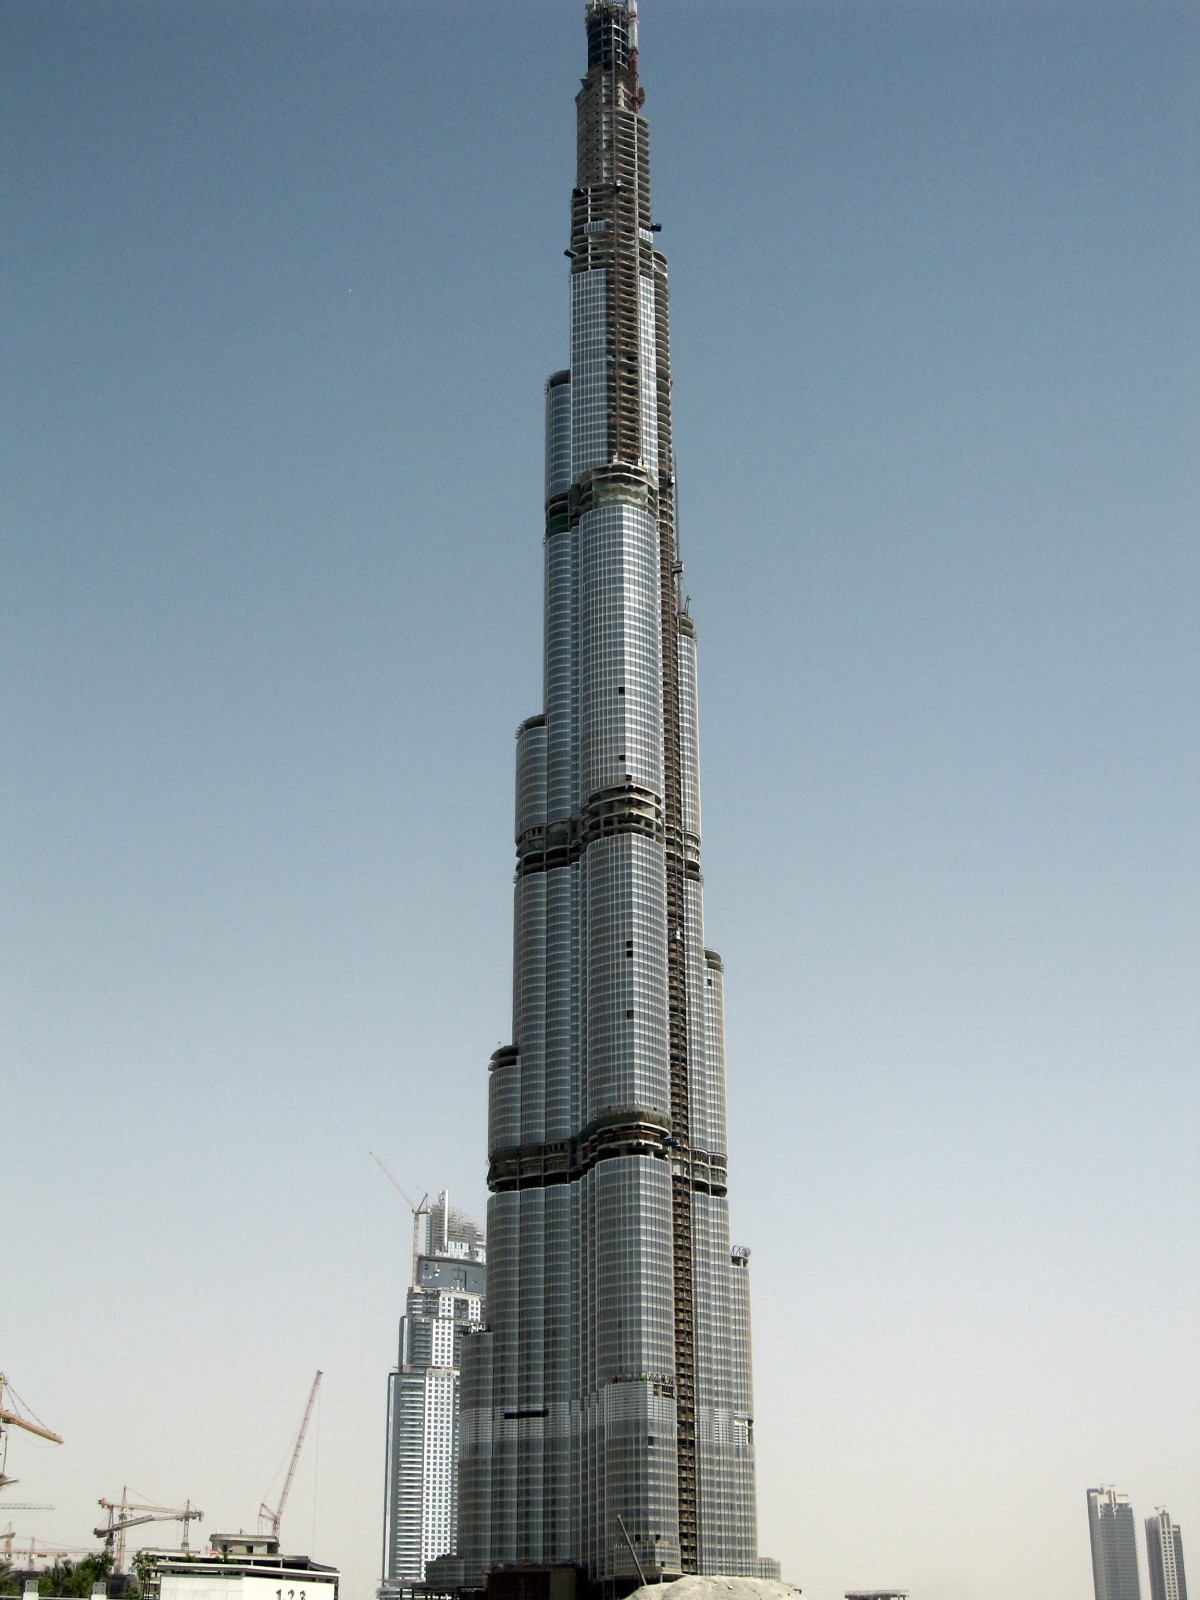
(694, 1587)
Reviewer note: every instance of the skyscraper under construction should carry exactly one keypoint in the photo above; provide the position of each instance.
(1114, 1545)
(1164, 1557)
(606, 1409)
(420, 1520)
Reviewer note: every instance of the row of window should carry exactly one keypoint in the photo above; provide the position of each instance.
(589, 370)
(557, 990)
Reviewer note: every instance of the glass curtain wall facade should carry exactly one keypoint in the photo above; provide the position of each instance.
(1164, 1557)
(445, 1301)
(1114, 1545)
(606, 1413)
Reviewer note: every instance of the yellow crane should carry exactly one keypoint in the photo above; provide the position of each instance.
(10, 1419)
(119, 1520)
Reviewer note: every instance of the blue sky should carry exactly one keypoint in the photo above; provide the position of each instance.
(283, 283)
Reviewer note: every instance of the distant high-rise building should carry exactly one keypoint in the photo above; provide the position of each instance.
(1164, 1556)
(1114, 1545)
(421, 1502)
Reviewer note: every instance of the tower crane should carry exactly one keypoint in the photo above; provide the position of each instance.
(275, 1516)
(421, 1209)
(119, 1521)
(10, 1419)
(34, 1551)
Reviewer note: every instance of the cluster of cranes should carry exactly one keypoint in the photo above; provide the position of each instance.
(124, 1513)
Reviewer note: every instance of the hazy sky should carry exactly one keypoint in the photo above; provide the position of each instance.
(282, 282)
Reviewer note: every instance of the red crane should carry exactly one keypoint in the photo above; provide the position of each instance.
(265, 1512)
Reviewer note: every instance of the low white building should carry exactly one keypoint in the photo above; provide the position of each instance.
(240, 1566)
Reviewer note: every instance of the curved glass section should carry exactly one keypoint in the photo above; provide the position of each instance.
(609, 1403)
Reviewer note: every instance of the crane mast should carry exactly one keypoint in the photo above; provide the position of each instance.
(119, 1520)
(419, 1210)
(275, 1516)
(33, 1551)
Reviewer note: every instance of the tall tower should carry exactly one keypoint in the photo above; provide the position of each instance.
(1114, 1545)
(607, 1418)
(421, 1498)
(1164, 1557)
